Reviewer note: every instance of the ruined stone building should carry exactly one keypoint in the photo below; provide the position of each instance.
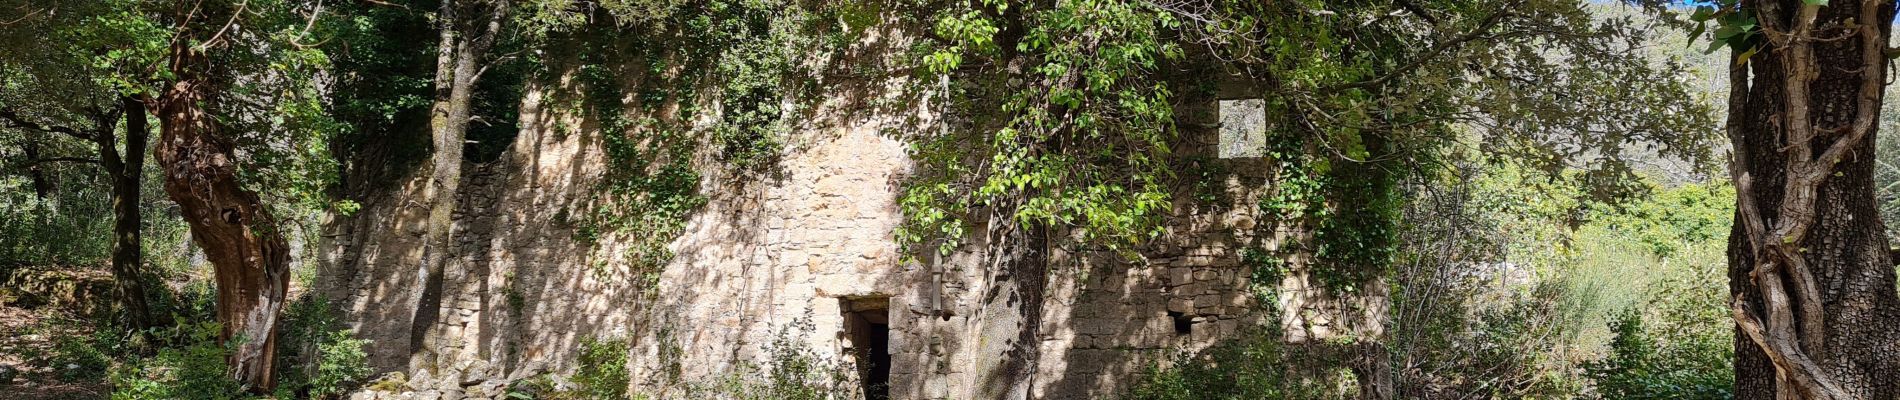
(804, 257)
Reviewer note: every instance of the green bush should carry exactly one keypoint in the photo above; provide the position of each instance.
(1681, 346)
(317, 357)
(75, 357)
(603, 373)
(1256, 366)
(194, 371)
(1645, 365)
(792, 371)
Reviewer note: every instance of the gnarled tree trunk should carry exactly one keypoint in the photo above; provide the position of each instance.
(1814, 301)
(240, 238)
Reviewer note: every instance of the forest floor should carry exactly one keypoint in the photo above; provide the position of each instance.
(25, 373)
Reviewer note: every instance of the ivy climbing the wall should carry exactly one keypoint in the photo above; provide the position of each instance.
(1349, 203)
(707, 85)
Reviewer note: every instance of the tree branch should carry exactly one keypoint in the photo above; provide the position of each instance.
(12, 119)
(1479, 32)
(63, 159)
(30, 164)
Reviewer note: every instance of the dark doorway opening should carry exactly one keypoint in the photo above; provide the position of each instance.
(867, 334)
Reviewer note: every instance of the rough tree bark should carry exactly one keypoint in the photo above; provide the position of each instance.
(466, 33)
(126, 175)
(1814, 299)
(248, 253)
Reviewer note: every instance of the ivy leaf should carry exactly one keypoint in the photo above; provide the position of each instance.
(1743, 58)
(1714, 45)
(1702, 13)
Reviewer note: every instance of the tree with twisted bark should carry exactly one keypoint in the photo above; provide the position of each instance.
(1810, 274)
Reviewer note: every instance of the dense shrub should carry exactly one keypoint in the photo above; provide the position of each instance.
(603, 373)
(193, 371)
(1673, 339)
(1257, 366)
(1640, 366)
(318, 357)
(792, 371)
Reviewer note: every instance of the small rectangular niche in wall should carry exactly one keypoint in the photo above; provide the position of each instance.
(867, 340)
(1243, 128)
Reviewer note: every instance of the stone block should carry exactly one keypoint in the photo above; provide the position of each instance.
(1226, 328)
(1178, 276)
(1181, 304)
(1207, 300)
(1098, 326)
(936, 388)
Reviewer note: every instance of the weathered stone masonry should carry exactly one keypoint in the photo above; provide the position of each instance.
(808, 253)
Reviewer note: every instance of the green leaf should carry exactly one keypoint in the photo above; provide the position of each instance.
(1815, 2)
(1714, 45)
(1743, 58)
(1702, 13)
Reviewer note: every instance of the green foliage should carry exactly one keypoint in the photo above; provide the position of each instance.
(1508, 278)
(650, 185)
(1644, 366)
(1255, 366)
(1268, 270)
(603, 372)
(1736, 28)
(792, 371)
(193, 371)
(75, 356)
(382, 91)
(1672, 220)
(1049, 131)
(318, 357)
(1350, 206)
(725, 74)
(602, 375)
(63, 228)
(1673, 337)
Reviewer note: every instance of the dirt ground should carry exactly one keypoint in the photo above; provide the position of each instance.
(19, 342)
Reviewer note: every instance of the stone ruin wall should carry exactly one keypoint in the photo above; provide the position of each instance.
(778, 257)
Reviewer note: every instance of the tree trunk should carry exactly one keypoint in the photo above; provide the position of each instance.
(41, 185)
(462, 44)
(126, 173)
(1814, 291)
(1012, 311)
(240, 238)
